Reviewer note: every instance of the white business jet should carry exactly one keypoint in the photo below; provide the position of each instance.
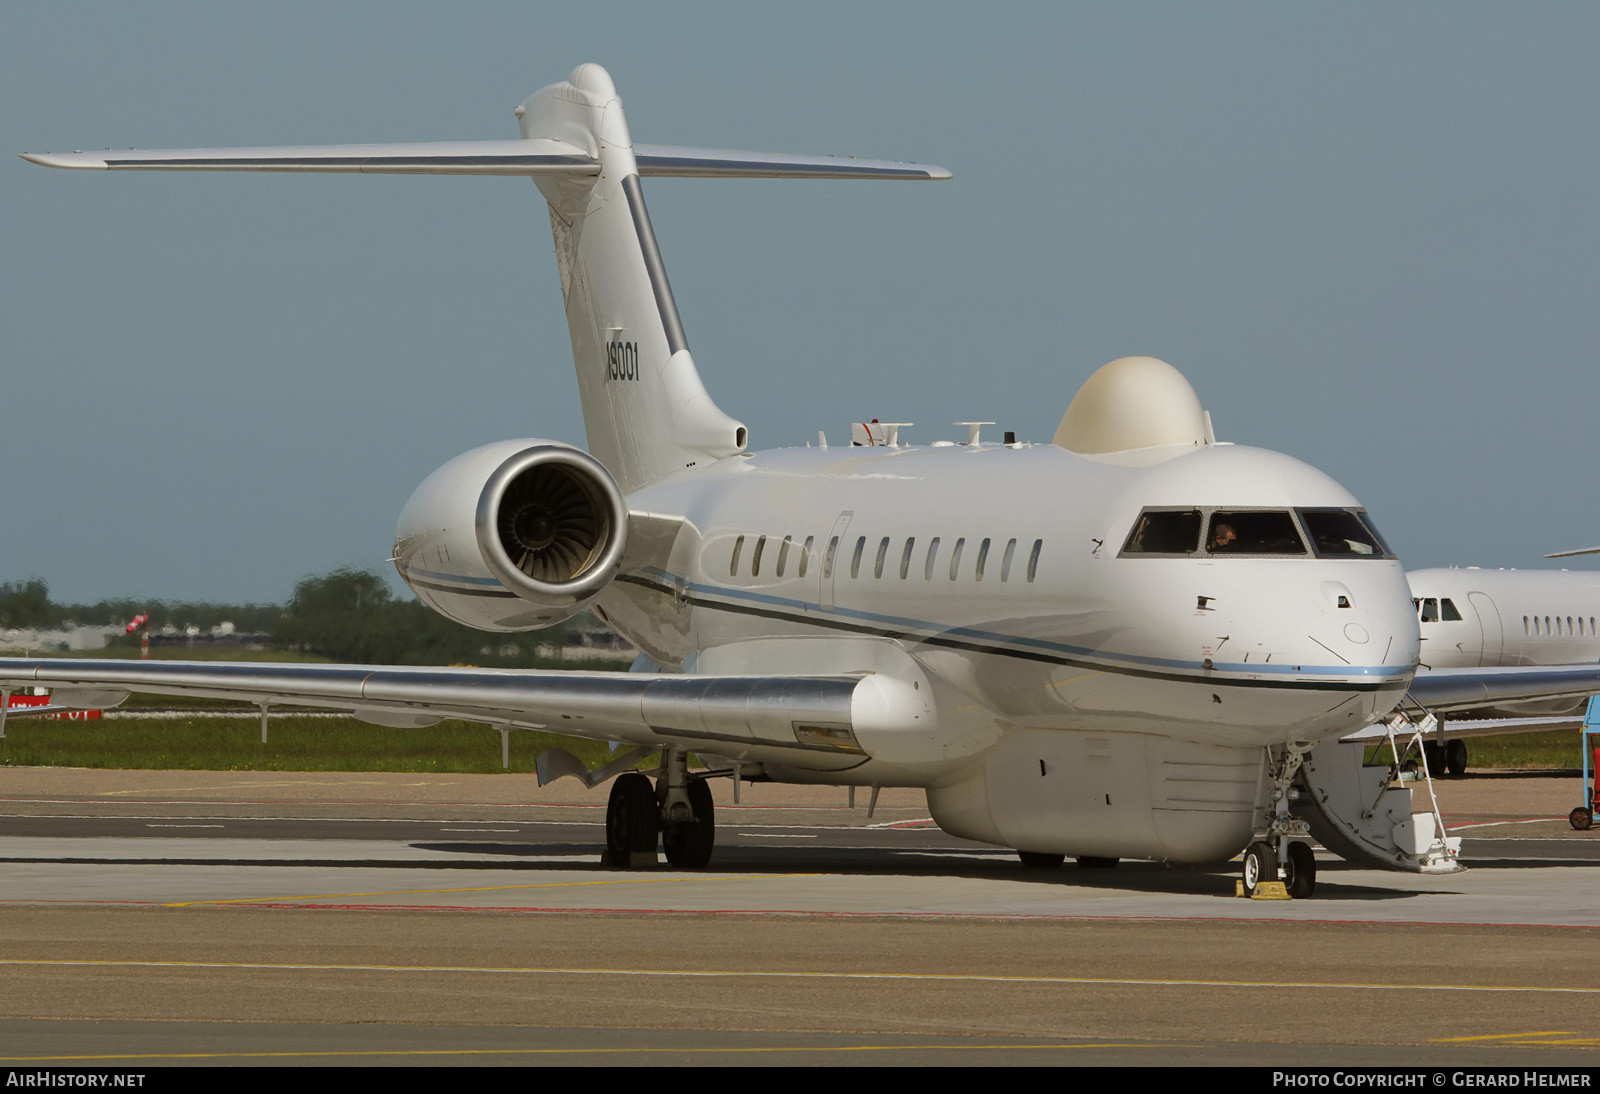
(1471, 617)
(1119, 644)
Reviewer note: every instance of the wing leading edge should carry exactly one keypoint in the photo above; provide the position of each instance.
(1445, 690)
(755, 714)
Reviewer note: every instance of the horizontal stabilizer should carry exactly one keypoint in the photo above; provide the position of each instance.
(672, 161)
(541, 157)
(530, 157)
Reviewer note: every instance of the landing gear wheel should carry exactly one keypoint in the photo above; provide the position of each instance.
(688, 844)
(1260, 865)
(1455, 756)
(1094, 862)
(631, 819)
(1434, 756)
(1040, 860)
(1581, 819)
(1300, 871)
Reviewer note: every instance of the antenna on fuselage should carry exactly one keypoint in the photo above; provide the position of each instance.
(972, 431)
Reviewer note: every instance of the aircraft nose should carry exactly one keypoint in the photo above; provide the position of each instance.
(1365, 619)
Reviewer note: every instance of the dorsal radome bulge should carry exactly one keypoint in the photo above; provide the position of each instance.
(1133, 402)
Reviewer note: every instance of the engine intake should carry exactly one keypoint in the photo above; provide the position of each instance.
(552, 524)
(513, 536)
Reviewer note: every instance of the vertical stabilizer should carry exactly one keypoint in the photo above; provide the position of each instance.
(646, 412)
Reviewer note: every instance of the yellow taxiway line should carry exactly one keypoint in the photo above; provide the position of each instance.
(514, 970)
(482, 889)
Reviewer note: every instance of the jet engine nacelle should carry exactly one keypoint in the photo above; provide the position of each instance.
(513, 536)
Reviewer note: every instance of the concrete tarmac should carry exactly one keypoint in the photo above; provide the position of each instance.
(334, 918)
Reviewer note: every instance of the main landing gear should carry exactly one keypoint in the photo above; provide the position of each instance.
(678, 809)
(1448, 758)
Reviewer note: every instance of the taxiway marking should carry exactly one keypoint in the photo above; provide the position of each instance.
(565, 1051)
(486, 889)
(748, 974)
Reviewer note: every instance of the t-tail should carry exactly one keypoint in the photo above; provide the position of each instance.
(645, 409)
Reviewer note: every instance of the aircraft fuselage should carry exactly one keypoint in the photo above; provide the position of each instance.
(1001, 576)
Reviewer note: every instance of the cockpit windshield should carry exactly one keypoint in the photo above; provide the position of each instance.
(1339, 533)
(1165, 532)
(1260, 533)
(1253, 532)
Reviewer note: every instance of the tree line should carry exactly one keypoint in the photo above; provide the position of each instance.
(348, 615)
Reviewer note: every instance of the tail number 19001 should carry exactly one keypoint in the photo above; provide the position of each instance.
(622, 360)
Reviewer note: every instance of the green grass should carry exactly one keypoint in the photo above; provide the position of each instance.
(1555, 750)
(176, 653)
(203, 743)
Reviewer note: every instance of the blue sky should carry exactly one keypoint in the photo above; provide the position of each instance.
(1366, 232)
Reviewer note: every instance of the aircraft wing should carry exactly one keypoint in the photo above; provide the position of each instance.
(759, 716)
(1480, 727)
(535, 157)
(1445, 690)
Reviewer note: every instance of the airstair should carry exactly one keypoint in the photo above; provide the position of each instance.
(1367, 813)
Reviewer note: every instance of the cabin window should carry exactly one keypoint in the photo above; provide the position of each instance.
(933, 554)
(1448, 612)
(955, 556)
(855, 559)
(1005, 562)
(783, 553)
(905, 557)
(1525, 625)
(755, 557)
(1547, 629)
(1033, 558)
(1165, 532)
(877, 563)
(733, 564)
(1430, 610)
(983, 556)
(833, 552)
(805, 554)
(1339, 533)
(1253, 532)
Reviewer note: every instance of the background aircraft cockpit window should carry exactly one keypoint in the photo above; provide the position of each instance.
(1339, 533)
(1165, 532)
(1448, 611)
(1430, 610)
(1253, 532)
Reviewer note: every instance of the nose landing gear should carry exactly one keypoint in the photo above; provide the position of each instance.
(1282, 854)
